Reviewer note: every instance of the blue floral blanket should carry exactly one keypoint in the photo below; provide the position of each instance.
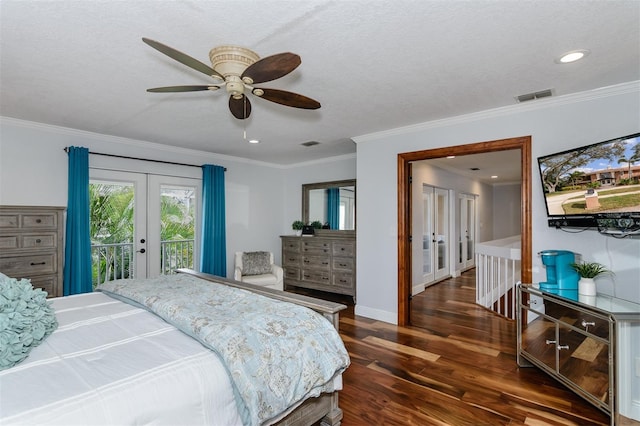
(276, 353)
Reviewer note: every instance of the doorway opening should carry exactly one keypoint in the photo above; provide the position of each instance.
(404, 208)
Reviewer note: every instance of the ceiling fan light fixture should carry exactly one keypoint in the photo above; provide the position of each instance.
(238, 68)
(232, 60)
(234, 86)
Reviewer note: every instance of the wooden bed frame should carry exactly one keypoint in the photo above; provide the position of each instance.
(325, 407)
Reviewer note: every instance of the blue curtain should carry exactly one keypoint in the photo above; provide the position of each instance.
(213, 258)
(77, 253)
(333, 208)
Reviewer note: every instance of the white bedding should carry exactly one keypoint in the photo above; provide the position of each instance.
(120, 365)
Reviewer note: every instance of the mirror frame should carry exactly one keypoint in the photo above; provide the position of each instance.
(324, 185)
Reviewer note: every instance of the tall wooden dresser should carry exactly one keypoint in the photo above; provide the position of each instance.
(325, 262)
(31, 245)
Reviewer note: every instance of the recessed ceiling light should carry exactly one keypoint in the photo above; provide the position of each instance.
(494, 177)
(254, 141)
(572, 56)
(451, 156)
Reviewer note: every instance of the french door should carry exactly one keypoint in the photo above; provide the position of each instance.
(142, 225)
(435, 235)
(467, 229)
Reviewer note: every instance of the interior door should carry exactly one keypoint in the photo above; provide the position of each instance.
(441, 224)
(435, 234)
(467, 237)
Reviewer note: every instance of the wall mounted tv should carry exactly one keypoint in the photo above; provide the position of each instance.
(594, 186)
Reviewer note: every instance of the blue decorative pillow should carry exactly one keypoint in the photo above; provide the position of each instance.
(26, 319)
(256, 263)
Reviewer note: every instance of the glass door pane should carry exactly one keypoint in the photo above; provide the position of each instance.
(117, 221)
(173, 223)
(427, 232)
(471, 215)
(467, 230)
(441, 223)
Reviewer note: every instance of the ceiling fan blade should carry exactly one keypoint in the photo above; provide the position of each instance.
(240, 108)
(272, 67)
(182, 58)
(182, 88)
(291, 99)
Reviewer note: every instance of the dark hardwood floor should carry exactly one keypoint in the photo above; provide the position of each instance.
(456, 365)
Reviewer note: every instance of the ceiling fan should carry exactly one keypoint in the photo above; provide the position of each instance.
(237, 69)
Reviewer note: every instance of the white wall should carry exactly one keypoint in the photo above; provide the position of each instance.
(506, 218)
(261, 199)
(555, 124)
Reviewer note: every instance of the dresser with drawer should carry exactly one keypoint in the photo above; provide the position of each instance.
(326, 263)
(31, 245)
(584, 342)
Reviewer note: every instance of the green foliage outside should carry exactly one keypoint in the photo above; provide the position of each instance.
(112, 222)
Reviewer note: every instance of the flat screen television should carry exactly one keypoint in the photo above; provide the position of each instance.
(596, 185)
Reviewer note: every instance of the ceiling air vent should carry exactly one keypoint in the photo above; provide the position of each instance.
(310, 143)
(535, 95)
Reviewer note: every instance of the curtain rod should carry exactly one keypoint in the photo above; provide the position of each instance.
(66, 149)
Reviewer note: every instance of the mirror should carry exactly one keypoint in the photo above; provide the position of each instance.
(331, 203)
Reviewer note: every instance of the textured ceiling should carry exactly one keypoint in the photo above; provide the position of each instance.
(373, 65)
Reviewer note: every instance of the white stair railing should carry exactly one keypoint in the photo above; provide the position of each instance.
(497, 272)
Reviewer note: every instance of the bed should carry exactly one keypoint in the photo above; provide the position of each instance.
(204, 356)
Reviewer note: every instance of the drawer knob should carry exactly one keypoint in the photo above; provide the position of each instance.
(587, 324)
(39, 263)
(38, 220)
(561, 347)
(38, 241)
(550, 342)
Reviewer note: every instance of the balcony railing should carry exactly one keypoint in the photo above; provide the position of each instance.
(497, 272)
(116, 261)
(175, 254)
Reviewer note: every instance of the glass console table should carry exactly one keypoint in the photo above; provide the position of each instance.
(586, 343)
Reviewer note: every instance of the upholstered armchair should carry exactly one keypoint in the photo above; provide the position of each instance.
(257, 268)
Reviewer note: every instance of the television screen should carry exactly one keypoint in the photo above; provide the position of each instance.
(595, 181)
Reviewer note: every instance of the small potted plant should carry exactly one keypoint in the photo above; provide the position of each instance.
(588, 271)
(297, 227)
(316, 224)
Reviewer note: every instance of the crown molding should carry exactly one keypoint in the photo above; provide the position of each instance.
(173, 150)
(603, 92)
